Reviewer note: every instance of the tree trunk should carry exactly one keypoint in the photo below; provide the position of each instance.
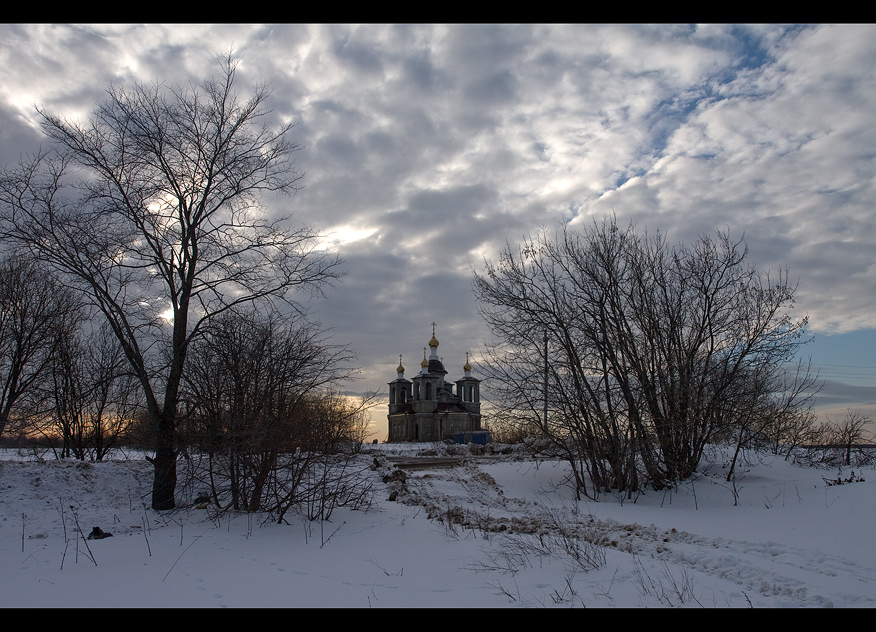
(164, 483)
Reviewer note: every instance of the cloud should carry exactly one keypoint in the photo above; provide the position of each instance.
(433, 145)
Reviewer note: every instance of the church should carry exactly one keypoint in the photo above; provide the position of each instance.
(427, 409)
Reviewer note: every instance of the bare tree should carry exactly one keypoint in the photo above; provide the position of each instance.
(34, 310)
(849, 433)
(165, 229)
(261, 407)
(93, 398)
(567, 290)
(774, 409)
(653, 348)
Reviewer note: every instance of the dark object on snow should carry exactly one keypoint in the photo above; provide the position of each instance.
(99, 534)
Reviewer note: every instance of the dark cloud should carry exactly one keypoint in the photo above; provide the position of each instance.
(18, 136)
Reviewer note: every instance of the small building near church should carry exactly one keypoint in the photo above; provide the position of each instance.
(426, 407)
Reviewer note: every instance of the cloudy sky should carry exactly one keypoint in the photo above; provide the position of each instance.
(426, 147)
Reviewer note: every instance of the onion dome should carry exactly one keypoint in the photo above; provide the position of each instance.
(434, 341)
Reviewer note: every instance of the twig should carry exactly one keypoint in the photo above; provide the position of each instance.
(145, 535)
(180, 523)
(197, 537)
(332, 534)
(63, 518)
(64, 554)
(79, 529)
(386, 572)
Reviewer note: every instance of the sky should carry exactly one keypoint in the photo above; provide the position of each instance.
(426, 148)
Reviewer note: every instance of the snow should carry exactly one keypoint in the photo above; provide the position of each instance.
(783, 539)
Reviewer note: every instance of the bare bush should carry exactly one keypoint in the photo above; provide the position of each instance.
(667, 587)
(35, 310)
(652, 352)
(849, 433)
(265, 429)
(92, 399)
(774, 411)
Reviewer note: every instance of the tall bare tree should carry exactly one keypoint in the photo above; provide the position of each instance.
(34, 310)
(165, 228)
(653, 348)
(91, 394)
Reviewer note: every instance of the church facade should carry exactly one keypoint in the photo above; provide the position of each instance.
(426, 407)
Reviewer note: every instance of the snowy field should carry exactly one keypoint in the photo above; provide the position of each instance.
(790, 540)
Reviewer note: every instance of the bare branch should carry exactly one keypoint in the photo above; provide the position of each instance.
(654, 349)
(164, 229)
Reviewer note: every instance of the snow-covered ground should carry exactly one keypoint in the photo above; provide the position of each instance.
(788, 540)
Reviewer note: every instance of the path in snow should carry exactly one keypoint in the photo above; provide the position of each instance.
(468, 495)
